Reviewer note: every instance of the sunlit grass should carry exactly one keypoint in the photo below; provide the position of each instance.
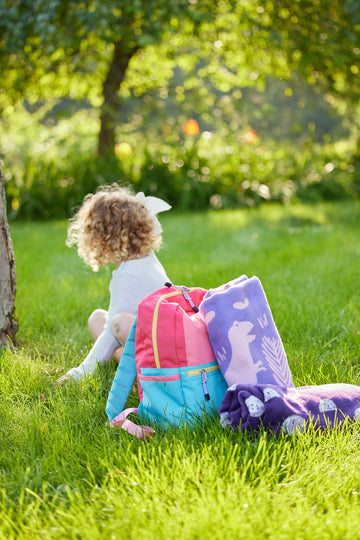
(65, 474)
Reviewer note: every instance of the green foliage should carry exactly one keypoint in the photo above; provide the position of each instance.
(50, 160)
(65, 474)
(321, 39)
(66, 48)
(83, 48)
(106, 52)
(142, 69)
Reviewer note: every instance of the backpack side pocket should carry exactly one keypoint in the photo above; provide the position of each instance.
(162, 393)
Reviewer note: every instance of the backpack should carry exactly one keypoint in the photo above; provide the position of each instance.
(168, 349)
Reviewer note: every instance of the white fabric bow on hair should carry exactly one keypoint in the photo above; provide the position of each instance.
(155, 206)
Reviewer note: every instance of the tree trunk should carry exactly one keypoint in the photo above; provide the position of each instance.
(111, 104)
(8, 323)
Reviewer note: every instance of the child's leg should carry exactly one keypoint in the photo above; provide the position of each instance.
(121, 325)
(96, 322)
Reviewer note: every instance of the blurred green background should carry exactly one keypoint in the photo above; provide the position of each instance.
(208, 104)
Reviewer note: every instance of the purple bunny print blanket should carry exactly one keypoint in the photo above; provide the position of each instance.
(243, 335)
(288, 410)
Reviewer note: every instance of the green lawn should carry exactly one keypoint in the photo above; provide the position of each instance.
(65, 474)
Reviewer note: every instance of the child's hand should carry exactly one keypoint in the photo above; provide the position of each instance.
(63, 379)
(118, 354)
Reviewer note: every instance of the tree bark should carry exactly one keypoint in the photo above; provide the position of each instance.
(111, 104)
(8, 322)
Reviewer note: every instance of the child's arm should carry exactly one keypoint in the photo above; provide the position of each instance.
(106, 344)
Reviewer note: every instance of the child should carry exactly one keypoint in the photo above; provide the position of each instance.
(116, 226)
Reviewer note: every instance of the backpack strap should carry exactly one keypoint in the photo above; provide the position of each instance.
(123, 381)
(124, 378)
(141, 432)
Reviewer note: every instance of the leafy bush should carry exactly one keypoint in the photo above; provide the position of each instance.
(50, 165)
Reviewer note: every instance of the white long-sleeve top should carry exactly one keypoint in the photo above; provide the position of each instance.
(130, 283)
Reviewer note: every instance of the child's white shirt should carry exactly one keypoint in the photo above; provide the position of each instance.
(129, 285)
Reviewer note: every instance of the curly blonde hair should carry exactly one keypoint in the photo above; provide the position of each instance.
(112, 225)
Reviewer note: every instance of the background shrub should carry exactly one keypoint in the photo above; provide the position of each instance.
(50, 162)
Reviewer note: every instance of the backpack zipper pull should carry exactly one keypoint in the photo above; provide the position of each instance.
(187, 297)
(204, 381)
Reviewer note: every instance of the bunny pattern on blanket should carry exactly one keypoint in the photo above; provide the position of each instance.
(243, 335)
(289, 410)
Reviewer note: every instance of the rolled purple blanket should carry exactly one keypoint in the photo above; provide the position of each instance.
(243, 335)
(279, 409)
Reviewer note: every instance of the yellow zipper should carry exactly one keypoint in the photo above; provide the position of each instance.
(155, 320)
(193, 372)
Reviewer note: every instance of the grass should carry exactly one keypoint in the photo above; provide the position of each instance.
(65, 474)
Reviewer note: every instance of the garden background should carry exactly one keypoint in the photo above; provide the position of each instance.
(209, 104)
(245, 117)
